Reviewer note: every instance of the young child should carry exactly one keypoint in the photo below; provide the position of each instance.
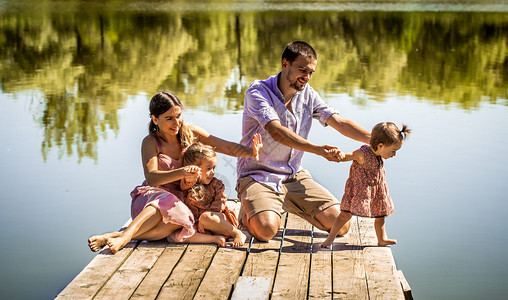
(366, 192)
(205, 195)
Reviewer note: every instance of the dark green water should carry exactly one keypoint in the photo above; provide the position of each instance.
(76, 78)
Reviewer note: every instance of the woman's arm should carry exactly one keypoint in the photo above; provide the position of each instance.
(227, 147)
(153, 175)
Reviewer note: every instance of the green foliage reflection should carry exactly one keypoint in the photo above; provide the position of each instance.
(87, 62)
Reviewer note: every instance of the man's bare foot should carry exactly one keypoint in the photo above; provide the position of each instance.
(238, 238)
(96, 242)
(115, 244)
(386, 242)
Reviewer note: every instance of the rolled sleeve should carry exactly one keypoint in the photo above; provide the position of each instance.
(321, 110)
(258, 105)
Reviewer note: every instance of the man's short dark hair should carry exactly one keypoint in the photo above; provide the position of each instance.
(294, 49)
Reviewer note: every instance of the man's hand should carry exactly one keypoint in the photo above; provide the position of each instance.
(331, 153)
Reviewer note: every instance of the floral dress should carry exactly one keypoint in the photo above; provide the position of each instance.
(167, 198)
(366, 192)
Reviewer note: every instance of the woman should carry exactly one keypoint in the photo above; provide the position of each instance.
(157, 209)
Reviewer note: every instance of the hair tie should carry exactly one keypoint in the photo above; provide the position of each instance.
(185, 149)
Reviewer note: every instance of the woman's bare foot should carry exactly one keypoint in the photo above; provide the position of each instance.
(96, 242)
(386, 242)
(238, 238)
(115, 244)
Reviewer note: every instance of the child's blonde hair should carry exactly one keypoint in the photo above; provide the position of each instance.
(387, 133)
(194, 155)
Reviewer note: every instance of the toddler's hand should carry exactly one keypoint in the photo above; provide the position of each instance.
(330, 153)
(191, 173)
(340, 155)
(201, 229)
(257, 146)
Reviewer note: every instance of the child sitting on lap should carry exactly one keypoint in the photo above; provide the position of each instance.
(205, 195)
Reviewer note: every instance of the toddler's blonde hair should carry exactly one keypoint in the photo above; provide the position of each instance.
(388, 134)
(194, 155)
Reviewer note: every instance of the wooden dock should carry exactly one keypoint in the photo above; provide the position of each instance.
(290, 266)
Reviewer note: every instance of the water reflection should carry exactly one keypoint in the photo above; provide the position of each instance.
(87, 62)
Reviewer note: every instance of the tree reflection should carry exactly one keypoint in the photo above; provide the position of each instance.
(87, 62)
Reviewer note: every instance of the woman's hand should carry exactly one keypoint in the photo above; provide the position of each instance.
(257, 146)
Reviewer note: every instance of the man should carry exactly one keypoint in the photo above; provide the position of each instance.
(281, 109)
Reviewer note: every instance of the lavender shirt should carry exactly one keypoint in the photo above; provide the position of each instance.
(263, 103)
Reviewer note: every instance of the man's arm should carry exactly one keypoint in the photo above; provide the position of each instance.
(349, 128)
(288, 138)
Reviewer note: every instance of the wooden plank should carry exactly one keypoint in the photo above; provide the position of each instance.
(380, 269)
(408, 295)
(151, 285)
(355, 268)
(234, 205)
(320, 284)
(90, 280)
(126, 279)
(252, 288)
(263, 257)
(349, 279)
(188, 273)
(291, 280)
(222, 274)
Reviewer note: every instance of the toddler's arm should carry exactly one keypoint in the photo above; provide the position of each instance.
(356, 155)
(220, 198)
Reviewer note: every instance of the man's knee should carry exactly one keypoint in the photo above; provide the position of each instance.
(264, 226)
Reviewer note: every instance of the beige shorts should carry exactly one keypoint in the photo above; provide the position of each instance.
(301, 196)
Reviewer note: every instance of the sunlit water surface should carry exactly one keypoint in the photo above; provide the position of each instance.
(72, 124)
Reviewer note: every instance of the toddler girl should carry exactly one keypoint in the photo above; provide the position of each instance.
(205, 196)
(366, 192)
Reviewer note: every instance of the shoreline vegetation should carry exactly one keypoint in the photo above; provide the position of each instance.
(83, 64)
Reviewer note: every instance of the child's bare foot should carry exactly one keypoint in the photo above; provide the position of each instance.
(115, 244)
(326, 243)
(386, 242)
(238, 238)
(219, 240)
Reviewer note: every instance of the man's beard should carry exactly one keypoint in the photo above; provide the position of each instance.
(295, 84)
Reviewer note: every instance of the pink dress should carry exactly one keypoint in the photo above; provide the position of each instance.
(366, 192)
(167, 198)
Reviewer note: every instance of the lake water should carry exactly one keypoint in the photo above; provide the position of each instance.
(76, 79)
